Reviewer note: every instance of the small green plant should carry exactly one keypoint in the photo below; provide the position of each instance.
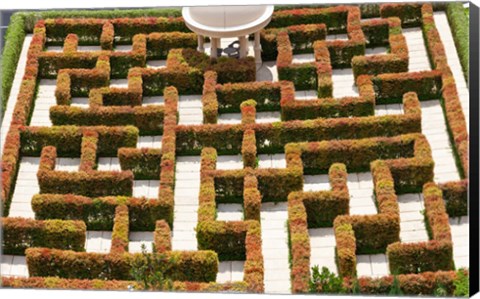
(149, 269)
(325, 282)
(395, 289)
(355, 287)
(440, 290)
(461, 284)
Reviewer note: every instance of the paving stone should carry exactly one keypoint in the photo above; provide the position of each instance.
(277, 250)
(229, 118)
(153, 100)
(156, 64)
(306, 95)
(418, 53)
(379, 265)
(229, 212)
(19, 266)
(81, 102)
(152, 141)
(336, 37)
(229, 162)
(224, 272)
(237, 270)
(119, 83)
(54, 49)
(67, 164)
(139, 238)
(90, 48)
(267, 72)
(268, 117)
(146, 188)
(123, 48)
(441, 151)
(319, 182)
(185, 220)
(98, 241)
(303, 58)
(375, 51)
(364, 266)
(272, 161)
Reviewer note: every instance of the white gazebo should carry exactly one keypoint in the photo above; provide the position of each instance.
(226, 22)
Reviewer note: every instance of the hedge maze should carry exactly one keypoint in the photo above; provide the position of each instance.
(323, 137)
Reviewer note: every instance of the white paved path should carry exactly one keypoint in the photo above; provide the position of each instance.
(45, 99)
(25, 188)
(187, 187)
(459, 228)
(435, 129)
(13, 265)
(418, 56)
(322, 248)
(412, 224)
(373, 265)
(275, 247)
(443, 28)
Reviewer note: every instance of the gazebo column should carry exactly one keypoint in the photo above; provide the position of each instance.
(201, 40)
(214, 42)
(243, 46)
(257, 48)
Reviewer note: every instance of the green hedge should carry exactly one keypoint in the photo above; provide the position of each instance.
(22, 233)
(199, 266)
(226, 238)
(459, 24)
(97, 213)
(11, 53)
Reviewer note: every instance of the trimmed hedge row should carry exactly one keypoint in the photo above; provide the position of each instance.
(453, 109)
(304, 76)
(20, 117)
(12, 49)
(167, 162)
(302, 38)
(144, 162)
(115, 285)
(312, 209)
(328, 107)
(322, 207)
(120, 231)
(196, 266)
(97, 213)
(426, 283)
(232, 240)
(390, 88)
(68, 139)
(90, 29)
(398, 151)
(272, 137)
(226, 238)
(159, 43)
(162, 237)
(22, 233)
(459, 25)
(409, 13)
(335, 18)
(434, 255)
(369, 233)
(88, 183)
(395, 62)
(455, 195)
